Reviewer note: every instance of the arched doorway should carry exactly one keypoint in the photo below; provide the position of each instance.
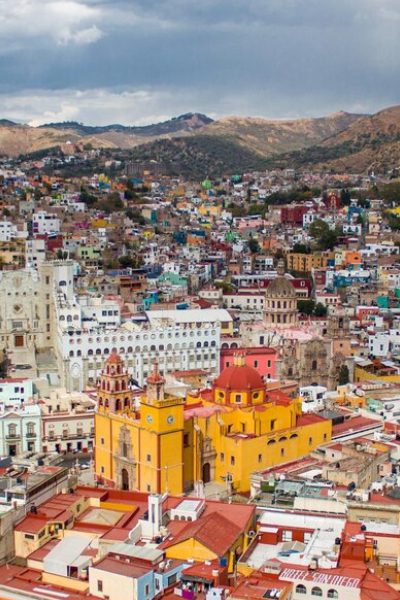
(206, 473)
(125, 479)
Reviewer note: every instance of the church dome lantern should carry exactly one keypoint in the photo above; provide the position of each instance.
(280, 308)
(239, 384)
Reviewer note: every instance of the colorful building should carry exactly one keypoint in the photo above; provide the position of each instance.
(220, 434)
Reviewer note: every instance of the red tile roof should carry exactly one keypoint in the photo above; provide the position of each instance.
(119, 567)
(214, 531)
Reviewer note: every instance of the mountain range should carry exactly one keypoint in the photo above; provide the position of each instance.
(195, 145)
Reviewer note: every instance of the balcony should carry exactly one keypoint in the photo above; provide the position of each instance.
(13, 436)
(31, 434)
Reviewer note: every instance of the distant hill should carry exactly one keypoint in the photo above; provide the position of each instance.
(276, 136)
(239, 143)
(371, 143)
(195, 145)
(186, 122)
(195, 157)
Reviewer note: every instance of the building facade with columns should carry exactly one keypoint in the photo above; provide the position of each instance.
(306, 354)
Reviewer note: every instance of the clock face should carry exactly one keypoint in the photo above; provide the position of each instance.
(149, 419)
(170, 419)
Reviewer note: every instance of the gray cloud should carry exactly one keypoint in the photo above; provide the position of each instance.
(275, 58)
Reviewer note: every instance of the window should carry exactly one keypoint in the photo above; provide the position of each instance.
(287, 535)
(222, 457)
(99, 585)
(273, 423)
(102, 441)
(148, 457)
(147, 589)
(260, 458)
(102, 469)
(309, 441)
(238, 398)
(232, 461)
(316, 591)
(255, 363)
(171, 579)
(12, 430)
(332, 594)
(186, 442)
(29, 536)
(301, 589)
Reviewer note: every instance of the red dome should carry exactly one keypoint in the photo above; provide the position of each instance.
(239, 378)
(114, 358)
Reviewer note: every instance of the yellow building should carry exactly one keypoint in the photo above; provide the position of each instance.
(220, 434)
(305, 263)
(143, 449)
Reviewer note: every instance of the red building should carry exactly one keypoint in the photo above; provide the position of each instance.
(260, 358)
(293, 214)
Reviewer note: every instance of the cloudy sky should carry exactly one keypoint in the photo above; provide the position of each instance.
(141, 61)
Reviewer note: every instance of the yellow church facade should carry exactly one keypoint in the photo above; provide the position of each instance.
(222, 434)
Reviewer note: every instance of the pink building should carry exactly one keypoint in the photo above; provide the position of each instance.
(260, 358)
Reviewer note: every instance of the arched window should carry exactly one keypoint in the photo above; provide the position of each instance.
(301, 589)
(316, 591)
(71, 353)
(270, 442)
(90, 352)
(332, 594)
(198, 345)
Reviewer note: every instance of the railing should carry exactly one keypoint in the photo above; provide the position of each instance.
(13, 436)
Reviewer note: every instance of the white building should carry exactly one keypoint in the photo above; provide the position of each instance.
(20, 430)
(68, 422)
(179, 339)
(20, 420)
(245, 302)
(9, 231)
(35, 252)
(313, 397)
(45, 223)
(384, 343)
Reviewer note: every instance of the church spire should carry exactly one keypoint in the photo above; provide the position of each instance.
(280, 268)
(155, 384)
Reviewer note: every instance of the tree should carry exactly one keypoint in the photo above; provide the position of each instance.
(254, 246)
(301, 248)
(88, 199)
(320, 310)
(325, 237)
(345, 197)
(306, 307)
(318, 228)
(344, 375)
(4, 364)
